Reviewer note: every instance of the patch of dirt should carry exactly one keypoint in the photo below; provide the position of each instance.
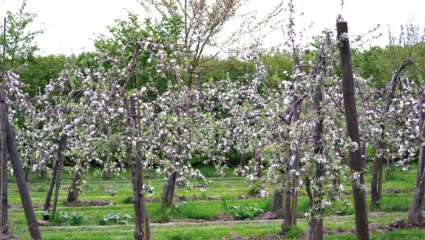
(224, 217)
(15, 206)
(43, 223)
(267, 216)
(241, 197)
(375, 227)
(151, 199)
(111, 192)
(193, 198)
(234, 236)
(404, 224)
(88, 203)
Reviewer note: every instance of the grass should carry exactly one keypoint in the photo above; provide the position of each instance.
(219, 231)
(194, 204)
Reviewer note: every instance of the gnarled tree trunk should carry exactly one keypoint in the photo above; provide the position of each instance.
(416, 207)
(290, 199)
(315, 229)
(51, 188)
(61, 149)
(376, 182)
(141, 220)
(107, 173)
(74, 189)
(257, 163)
(242, 160)
(169, 189)
(277, 201)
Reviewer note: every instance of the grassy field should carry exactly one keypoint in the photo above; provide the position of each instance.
(198, 214)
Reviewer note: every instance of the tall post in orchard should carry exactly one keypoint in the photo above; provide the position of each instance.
(355, 161)
(3, 147)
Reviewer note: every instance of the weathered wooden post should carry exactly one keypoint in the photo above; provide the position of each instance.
(3, 148)
(20, 181)
(355, 161)
(3, 167)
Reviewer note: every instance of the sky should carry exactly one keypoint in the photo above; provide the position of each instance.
(71, 25)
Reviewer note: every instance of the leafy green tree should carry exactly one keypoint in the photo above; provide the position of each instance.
(20, 41)
(39, 70)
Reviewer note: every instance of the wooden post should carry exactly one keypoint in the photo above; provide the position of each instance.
(3, 171)
(20, 179)
(3, 147)
(355, 160)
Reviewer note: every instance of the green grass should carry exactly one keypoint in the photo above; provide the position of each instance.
(219, 231)
(411, 234)
(194, 204)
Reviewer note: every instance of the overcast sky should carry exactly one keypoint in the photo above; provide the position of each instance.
(71, 25)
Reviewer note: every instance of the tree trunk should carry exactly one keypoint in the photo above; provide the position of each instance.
(421, 164)
(277, 203)
(290, 198)
(416, 207)
(107, 173)
(169, 189)
(142, 230)
(315, 229)
(288, 218)
(376, 182)
(74, 189)
(243, 160)
(316, 194)
(49, 194)
(257, 163)
(290, 201)
(3, 166)
(61, 149)
(356, 162)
